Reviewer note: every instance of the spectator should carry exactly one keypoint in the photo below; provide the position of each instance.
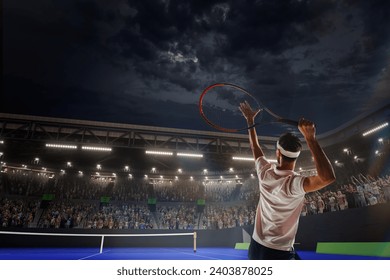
(341, 200)
(372, 200)
(320, 205)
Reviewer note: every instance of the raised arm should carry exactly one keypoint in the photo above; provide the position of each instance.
(325, 173)
(355, 180)
(250, 115)
(364, 178)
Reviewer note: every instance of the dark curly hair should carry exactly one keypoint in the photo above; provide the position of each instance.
(290, 142)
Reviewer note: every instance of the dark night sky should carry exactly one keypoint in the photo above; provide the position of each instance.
(146, 62)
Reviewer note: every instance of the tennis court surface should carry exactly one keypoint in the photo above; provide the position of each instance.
(216, 253)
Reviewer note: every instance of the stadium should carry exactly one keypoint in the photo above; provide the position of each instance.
(68, 183)
(124, 136)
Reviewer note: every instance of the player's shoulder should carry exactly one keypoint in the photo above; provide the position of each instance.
(262, 160)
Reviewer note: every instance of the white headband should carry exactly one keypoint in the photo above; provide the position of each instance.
(287, 153)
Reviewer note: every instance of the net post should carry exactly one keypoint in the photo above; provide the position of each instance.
(101, 244)
(195, 236)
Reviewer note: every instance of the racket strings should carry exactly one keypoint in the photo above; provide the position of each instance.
(220, 107)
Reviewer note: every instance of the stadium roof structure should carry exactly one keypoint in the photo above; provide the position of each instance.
(57, 141)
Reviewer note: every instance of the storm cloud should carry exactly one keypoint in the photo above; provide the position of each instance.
(146, 62)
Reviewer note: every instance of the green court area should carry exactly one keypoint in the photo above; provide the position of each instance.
(341, 251)
(377, 249)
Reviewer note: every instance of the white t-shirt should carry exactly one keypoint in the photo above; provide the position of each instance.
(281, 200)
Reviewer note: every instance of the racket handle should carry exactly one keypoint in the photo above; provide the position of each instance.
(289, 122)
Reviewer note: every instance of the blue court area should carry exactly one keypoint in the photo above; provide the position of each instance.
(311, 255)
(152, 254)
(121, 254)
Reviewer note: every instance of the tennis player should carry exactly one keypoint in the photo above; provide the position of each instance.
(282, 191)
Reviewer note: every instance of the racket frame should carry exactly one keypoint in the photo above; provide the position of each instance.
(277, 118)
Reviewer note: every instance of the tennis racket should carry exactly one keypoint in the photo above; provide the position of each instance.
(219, 107)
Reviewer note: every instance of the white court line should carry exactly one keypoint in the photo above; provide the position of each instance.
(202, 256)
(87, 257)
(171, 250)
(96, 235)
(227, 255)
(192, 254)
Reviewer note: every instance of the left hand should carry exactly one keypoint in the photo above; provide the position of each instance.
(248, 112)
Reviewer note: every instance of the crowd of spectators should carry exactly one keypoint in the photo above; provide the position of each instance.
(221, 191)
(72, 186)
(219, 217)
(122, 216)
(177, 191)
(18, 213)
(95, 216)
(361, 192)
(24, 183)
(130, 189)
(250, 191)
(177, 217)
(65, 214)
(76, 201)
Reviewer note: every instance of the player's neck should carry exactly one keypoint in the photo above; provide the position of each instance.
(286, 165)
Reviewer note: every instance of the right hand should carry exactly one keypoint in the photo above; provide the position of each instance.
(307, 128)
